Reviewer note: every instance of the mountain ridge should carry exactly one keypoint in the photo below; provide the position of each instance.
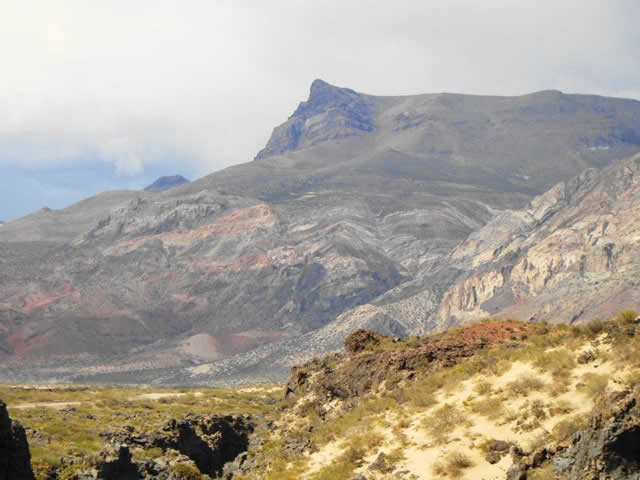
(352, 224)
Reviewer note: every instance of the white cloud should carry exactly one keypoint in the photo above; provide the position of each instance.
(129, 81)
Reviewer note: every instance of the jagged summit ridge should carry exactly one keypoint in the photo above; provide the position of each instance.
(330, 112)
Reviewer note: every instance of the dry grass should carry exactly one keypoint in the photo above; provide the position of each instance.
(565, 428)
(525, 385)
(559, 363)
(444, 420)
(595, 384)
(492, 408)
(453, 465)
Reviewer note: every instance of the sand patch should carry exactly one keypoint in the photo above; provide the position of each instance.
(56, 405)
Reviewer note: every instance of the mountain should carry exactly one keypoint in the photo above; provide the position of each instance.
(165, 183)
(352, 215)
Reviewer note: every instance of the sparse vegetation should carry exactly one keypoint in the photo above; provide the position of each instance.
(443, 421)
(565, 428)
(525, 385)
(358, 410)
(559, 363)
(595, 384)
(453, 465)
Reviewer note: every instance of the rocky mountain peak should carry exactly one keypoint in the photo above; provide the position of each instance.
(323, 96)
(330, 112)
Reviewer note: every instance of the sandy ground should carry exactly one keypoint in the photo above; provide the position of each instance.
(56, 405)
(422, 451)
(158, 396)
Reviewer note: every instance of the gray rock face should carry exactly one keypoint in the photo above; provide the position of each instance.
(347, 219)
(609, 448)
(15, 458)
(329, 114)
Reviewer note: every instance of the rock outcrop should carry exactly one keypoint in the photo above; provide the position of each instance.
(572, 256)
(609, 447)
(15, 458)
(210, 441)
(193, 445)
(372, 359)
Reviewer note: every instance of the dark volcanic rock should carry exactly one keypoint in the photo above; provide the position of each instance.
(165, 183)
(15, 458)
(360, 340)
(609, 447)
(117, 464)
(210, 441)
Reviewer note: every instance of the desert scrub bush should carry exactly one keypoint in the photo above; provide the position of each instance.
(186, 471)
(444, 420)
(492, 408)
(538, 409)
(594, 327)
(561, 407)
(558, 387)
(364, 441)
(453, 465)
(626, 317)
(499, 367)
(559, 363)
(352, 455)
(416, 394)
(482, 387)
(567, 427)
(70, 472)
(595, 384)
(525, 385)
(633, 379)
(395, 456)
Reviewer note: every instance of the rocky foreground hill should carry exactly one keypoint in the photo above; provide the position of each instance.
(495, 400)
(401, 214)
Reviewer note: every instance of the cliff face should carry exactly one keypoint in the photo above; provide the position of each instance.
(348, 218)
(572, 255)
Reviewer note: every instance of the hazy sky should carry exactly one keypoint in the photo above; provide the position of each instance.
(110, 94)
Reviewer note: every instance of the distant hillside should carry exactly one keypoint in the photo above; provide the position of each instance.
(165, 183)
(353, 215)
